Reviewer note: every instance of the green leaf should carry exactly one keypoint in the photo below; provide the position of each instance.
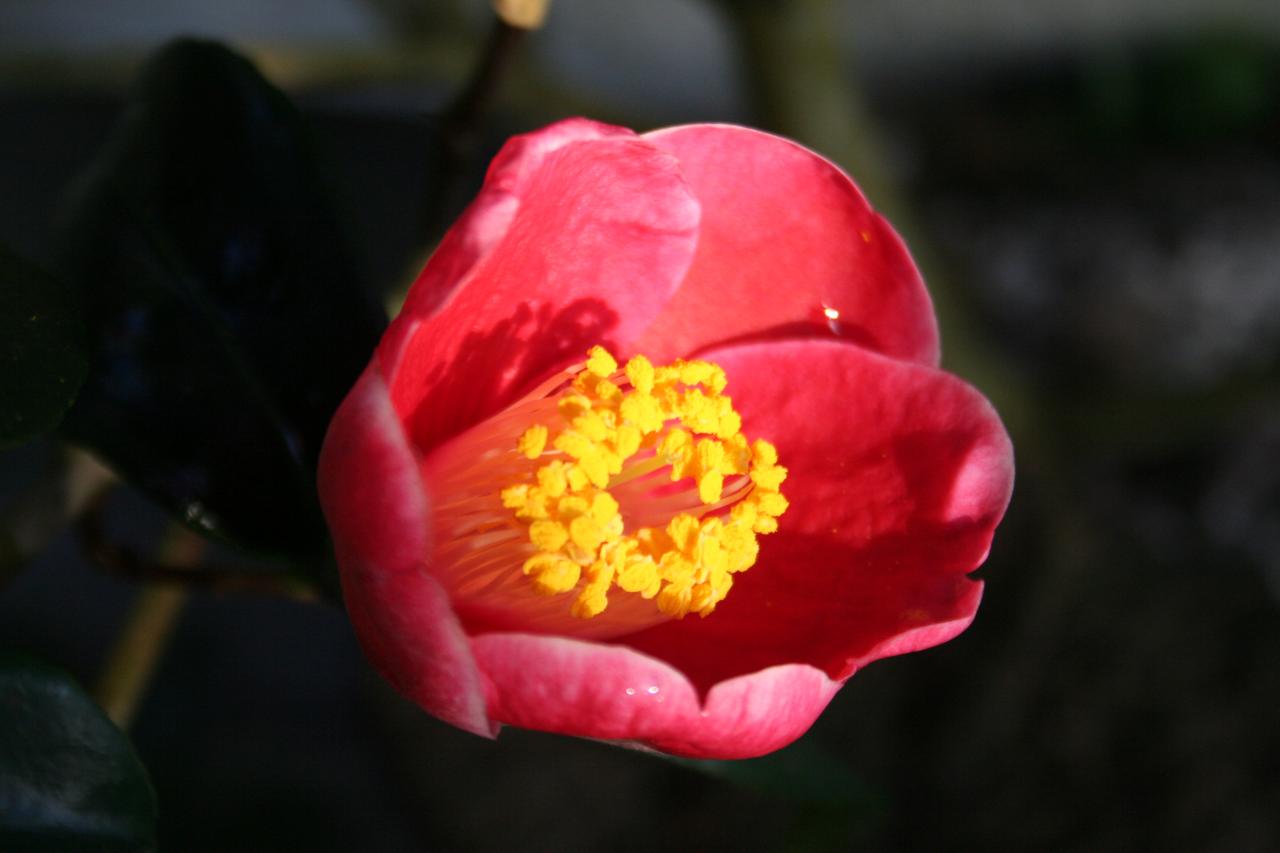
(69, 779)
(42, 350)
(225, 316)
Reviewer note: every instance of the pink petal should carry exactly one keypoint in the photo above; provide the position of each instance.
(898, 476)
(378, 515)
(786, 235)
(614, 693)
(580, 235)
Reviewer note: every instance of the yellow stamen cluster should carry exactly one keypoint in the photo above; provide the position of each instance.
(616, 430)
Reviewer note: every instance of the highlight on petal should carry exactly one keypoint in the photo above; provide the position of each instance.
(898, 476)
(614, 693)
(579, 237)
(788, 247)
(378, 515)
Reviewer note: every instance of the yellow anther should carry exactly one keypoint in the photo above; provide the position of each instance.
(540, 562)
(574, 406)
(737, 455)
(534, 506)
(676, 448)
(533, 441)
(683, 530)
(718, 380)
(604, 508)
(575, 444)
(744, 512)
(765, 524)
(667, 373)
(700, 412)
(627, 440)
(553, 479)
(772, 503)
(596, 467)
(591, 425)
(606, 390)
(710, 455)
(710, 487)
(561, 577)
(586, 533)
(764, 453)
(642, 411)
(613, 434)
(600, 362)
(693, 372)
(730, 424)
(552, 574)
(515, 497)
(710, 555)
(674, 598)
(640, 575)
(578, 480)
(740, 546)
(640, 374)
(548, 535)
(591, 603)
(572, 506)
(769, 477)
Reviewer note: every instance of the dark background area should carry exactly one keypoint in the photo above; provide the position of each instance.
(1095, 202)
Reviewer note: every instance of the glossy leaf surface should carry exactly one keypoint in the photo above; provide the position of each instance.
(226, 320)
(69, 779)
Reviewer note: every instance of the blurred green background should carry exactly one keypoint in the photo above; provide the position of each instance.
(1093, 192)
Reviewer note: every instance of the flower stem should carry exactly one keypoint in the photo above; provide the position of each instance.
(141, 643)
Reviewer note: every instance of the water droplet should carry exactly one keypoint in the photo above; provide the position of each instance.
(652, 689)
(631, 691)
(833, 318)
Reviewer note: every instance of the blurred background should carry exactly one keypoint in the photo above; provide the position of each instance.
(1093, 193)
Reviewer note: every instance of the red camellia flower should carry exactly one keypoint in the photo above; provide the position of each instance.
(658, 451)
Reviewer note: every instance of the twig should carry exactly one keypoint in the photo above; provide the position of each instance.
(458, 124)
(163, 569)
(133, 659)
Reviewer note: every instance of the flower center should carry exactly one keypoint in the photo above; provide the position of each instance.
(635, 481)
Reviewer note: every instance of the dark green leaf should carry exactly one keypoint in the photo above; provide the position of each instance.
(69, 780)
(225, 318)
(42, 350)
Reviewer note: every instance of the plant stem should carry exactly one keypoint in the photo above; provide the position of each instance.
(123, 562)
(133, 658)
(459, 123)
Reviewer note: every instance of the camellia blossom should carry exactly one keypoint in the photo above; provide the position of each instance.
(657, 450)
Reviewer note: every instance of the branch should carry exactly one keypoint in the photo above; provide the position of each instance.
(178, 568)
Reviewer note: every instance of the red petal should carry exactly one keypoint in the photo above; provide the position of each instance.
(784, 235)
(898, 476)
(378, 511)
(580, 235)
(611, 692)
